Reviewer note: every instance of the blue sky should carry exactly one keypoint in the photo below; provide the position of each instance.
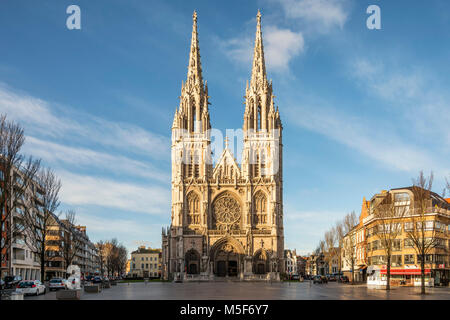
(363, 110)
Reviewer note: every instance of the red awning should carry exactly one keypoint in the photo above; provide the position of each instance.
(405, 271)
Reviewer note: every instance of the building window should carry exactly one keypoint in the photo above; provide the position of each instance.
(401, 197)
(397, 245)
(194, 208)
(409, 226)
(408, 243)
(396, 260)
(260, 208)
(408, 258)
(146, 266)
(428, 226)
(428, 258)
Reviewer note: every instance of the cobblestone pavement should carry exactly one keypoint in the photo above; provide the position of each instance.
(252, 291)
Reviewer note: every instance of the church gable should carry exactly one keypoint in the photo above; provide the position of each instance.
(227, 166)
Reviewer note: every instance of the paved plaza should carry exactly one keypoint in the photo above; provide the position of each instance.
(252, 291)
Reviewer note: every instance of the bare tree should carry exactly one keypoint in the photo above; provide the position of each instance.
(389, 228)
(447, 184)
(115, 256)
(101, 248)
(349, 241)
(420, 234)
(122, 258)
(110, 255)
(72, 239)
(16, 177)
(340, 234)
(331, 249)
(39, 218)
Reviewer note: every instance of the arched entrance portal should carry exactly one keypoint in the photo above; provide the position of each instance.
(226, 255)
(192, 259)
(260, 262)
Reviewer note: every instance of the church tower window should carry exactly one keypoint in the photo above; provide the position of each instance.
(260, 216)
(194, 209)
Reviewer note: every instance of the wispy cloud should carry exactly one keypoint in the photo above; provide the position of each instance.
(90, 190)
(75, 157)
(370, 139)
(86, 173)
(43, 119)
(323, 15)
(280, 47)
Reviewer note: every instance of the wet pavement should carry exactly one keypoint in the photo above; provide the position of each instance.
(253, 291)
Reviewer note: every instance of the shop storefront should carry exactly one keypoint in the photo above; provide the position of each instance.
(408, 276)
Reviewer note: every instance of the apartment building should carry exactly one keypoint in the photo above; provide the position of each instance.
(22, 260)
(55, 265)
(146, 263)
(316, 265)
(85, 255)
(405, 262)
(290, 258)
(301, 265)
(359, 244)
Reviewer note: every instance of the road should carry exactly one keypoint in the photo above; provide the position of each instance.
(252, 291)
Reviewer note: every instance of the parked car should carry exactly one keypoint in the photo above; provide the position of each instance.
(343, 279)
(318, 279)
(97, 279)
(295, 277)
(31, 287)
(12, 281)
(57, 283)
(331, 278)
(89, 278)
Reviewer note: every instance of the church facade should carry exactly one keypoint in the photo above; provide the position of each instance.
(226, 219)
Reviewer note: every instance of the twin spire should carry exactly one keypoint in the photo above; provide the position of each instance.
(193, 113)
(259, 65)
(195, 66)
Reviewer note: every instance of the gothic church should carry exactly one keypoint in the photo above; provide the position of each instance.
(227, 219)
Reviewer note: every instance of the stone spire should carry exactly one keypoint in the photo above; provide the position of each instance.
(259, 66)
(193, 114)
(194, 76)
(259, 112)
